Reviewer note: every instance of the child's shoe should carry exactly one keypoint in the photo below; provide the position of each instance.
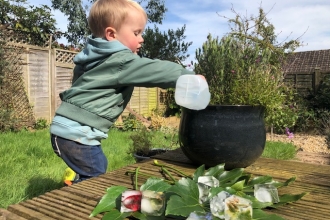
(70, 177)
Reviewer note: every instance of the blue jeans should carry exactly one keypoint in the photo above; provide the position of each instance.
(87, 161)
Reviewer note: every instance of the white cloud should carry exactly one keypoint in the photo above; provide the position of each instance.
(291, 18)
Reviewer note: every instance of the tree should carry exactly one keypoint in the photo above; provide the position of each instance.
(166, 46)
(36, 24)
(169, 46)
(77, 26)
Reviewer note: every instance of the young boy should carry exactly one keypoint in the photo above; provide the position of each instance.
(106, 72)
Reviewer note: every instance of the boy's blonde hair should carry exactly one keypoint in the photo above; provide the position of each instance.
(110, 13)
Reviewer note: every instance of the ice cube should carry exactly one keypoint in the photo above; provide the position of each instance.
(199, 216)
(217, 204)
(209, 181)
(266, 193)
(237, 208)
(204, 184)
(152, 203)
(130, 201)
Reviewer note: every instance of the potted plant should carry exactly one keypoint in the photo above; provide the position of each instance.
(245, 77)
(143, 147)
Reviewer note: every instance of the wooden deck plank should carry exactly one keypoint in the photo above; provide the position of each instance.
(27, 213)
(72, 208)
(78, 201)
(69, 197)
(48, 209)
(7, 215)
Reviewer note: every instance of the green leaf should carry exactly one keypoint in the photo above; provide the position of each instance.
(261, 215)
(108, 201)
(260, 180)
(228, 178)
(286, 183)
(287, 198)
(114, 214)
(141, 216)
(256, 204)
(185, 187)
(238, 186)
(138, 215)
(215, 191)
(186, 200)
(179, 206)
(215, 171)
(155, 184)
(246, 177)
(199, 172)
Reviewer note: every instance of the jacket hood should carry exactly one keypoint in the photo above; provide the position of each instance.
(95, 51)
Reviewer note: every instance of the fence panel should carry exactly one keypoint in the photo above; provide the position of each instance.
(143, 100)
(305, 83)
(39, 93)
(63, 79)
(49, 72)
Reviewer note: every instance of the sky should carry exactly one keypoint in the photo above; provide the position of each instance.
(308, 20)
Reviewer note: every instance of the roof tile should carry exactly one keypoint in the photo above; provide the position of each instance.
(308, 61)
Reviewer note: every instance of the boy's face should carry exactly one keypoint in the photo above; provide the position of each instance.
(130, 32)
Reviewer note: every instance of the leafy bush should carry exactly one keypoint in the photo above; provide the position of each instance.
(245, 68)
(7, 122)
(130, 123)
(144, 140)
(314, 110)
(321, 99)
(325, 126)
(142, 143)
(41, 123)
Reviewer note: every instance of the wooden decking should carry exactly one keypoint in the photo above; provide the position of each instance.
(78, 201)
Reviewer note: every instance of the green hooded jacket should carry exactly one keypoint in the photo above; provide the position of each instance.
(105, 75)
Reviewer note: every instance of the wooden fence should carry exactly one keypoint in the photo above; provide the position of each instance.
(49, 72)
(305, 83)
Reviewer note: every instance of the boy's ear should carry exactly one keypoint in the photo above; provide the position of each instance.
(110, 33)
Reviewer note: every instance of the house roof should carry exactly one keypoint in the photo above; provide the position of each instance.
(308, 61)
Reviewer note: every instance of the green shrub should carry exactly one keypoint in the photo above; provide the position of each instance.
(130, 123)
(314, 110)
(41, 123)
(321, 98)
(244, 67)
(142, 141)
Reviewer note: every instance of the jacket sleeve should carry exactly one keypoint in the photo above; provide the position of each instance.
(144, 72)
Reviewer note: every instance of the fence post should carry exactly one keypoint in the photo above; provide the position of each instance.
(316, 79)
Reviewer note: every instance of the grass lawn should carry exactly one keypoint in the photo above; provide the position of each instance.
(29, 167)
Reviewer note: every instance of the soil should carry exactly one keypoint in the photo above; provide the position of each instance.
(310, 148)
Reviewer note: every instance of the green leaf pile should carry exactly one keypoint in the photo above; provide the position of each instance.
(182, 196)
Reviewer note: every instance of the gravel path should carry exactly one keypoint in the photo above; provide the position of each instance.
(310, 148)
(307, 143)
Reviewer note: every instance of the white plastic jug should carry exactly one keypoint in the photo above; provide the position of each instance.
(192, 92)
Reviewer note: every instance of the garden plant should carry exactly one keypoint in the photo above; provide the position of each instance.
(244, 67)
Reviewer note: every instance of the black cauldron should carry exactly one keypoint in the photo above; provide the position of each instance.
(233, 135)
